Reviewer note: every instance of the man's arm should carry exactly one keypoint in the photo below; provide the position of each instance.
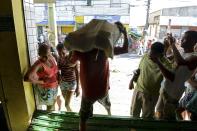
(77, 91)
(177, 56)
(136, 74)
(124, 48)
(193, 83)
(190, 62)
(192, 80)
(31, 75)
(166, 73)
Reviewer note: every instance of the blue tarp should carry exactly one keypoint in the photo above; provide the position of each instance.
(45, 22)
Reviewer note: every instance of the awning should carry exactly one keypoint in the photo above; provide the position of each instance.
(59, 23)
(135, 35)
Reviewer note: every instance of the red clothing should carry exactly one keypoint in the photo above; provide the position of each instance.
(48, 74)
(149, 44)
(94, 73)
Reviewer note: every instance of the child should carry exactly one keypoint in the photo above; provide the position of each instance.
(43, 73)
(69, 80)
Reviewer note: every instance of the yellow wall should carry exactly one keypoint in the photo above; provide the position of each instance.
(79, 19)
(13, 55)
(126, 26)
(23, 52)
(67, 29)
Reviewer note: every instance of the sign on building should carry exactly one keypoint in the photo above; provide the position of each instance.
(44, 1)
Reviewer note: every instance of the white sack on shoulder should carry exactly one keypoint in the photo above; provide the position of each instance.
(96, 34)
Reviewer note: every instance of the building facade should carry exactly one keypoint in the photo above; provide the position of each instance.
(172, 20)
(71, 15)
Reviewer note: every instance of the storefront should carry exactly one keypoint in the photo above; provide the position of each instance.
(64, 27)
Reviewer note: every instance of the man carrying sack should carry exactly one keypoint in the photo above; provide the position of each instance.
(94, 65)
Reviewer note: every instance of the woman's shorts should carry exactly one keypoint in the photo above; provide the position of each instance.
(185, 100)
(192, 104)
(68, 86)
(46, 96)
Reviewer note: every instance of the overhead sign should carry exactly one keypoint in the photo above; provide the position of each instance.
(109, 18)
(59, 23)
(79, 19)
(44, 1)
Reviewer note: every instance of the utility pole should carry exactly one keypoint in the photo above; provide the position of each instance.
(147, 17)
(52, 32)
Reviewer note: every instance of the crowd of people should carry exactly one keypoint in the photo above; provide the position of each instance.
(159, 83)
(140, 46)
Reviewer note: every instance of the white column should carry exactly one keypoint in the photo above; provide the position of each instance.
(52, 33)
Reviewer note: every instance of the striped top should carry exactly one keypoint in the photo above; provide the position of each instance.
(67, 69)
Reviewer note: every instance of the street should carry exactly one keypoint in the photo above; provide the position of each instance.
(121, 68)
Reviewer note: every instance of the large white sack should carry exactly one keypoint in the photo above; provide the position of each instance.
(96, 34)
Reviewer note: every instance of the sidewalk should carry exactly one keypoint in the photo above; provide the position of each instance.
(121, 68)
